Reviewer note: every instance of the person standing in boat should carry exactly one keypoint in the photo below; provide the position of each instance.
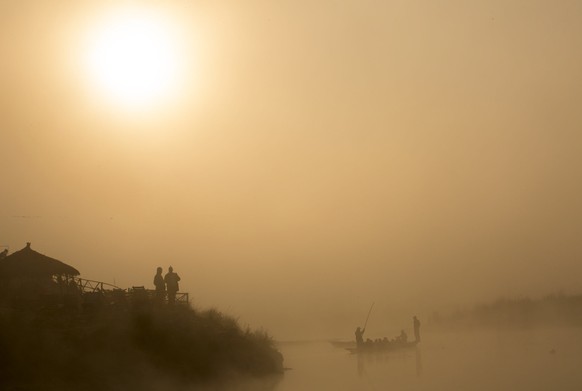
(359, 337)
(416, 323)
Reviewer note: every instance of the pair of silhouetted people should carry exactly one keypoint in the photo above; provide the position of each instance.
(167, 283)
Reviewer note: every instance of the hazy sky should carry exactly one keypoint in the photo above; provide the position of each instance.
(316, 157)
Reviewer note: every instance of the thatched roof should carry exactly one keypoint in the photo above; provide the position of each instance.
(27, 262)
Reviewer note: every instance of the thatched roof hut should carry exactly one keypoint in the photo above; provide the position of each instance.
(29, 263)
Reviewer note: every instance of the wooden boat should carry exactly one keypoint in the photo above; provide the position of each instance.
(342, 344)
(382, 346)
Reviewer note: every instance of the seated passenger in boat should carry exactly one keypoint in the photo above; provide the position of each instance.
(403, 337)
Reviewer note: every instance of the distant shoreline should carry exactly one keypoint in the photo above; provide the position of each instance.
(521, 313)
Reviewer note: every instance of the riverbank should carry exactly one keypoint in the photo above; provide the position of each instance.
(144, 348)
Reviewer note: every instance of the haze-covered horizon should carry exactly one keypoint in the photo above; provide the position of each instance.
(315, 158)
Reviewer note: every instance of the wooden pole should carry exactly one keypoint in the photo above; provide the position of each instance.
(368, 317)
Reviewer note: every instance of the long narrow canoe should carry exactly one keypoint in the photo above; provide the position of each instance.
(342, 344)
(378, 347)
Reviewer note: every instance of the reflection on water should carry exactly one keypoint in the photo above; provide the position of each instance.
(361, 366)
(381, 358)
(418, 356)
(518, 360)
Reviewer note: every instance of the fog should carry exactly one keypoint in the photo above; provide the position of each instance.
(530, 360)
(319, 157)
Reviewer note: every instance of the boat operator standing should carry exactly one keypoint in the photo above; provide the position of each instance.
(416, 323)
(359, 337)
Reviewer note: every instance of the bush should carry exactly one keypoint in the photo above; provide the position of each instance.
(130, 349)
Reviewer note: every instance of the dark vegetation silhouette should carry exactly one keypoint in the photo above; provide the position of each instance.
(118, 350)
(117, 339)
(556, 310)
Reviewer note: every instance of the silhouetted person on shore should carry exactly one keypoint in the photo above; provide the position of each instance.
(160, 285)
(72, 287)
(403, 337)
(171, 279)
(416, 323)
(359, 337)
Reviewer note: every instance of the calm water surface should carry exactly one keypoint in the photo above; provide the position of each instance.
(510, 360)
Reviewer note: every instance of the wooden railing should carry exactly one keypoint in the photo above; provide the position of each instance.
(93, 286)
(150, 294)
(94, 292)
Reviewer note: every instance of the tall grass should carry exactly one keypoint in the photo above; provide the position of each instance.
(132, 349)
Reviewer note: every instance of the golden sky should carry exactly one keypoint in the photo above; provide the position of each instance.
(312, 157)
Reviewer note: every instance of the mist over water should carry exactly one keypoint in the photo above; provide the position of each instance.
(482, 360)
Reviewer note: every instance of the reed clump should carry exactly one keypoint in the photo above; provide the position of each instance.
(138, 348)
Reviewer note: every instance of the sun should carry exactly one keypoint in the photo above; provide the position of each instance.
(133, 57)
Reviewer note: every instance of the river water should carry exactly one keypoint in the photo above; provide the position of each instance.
(504, 360)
